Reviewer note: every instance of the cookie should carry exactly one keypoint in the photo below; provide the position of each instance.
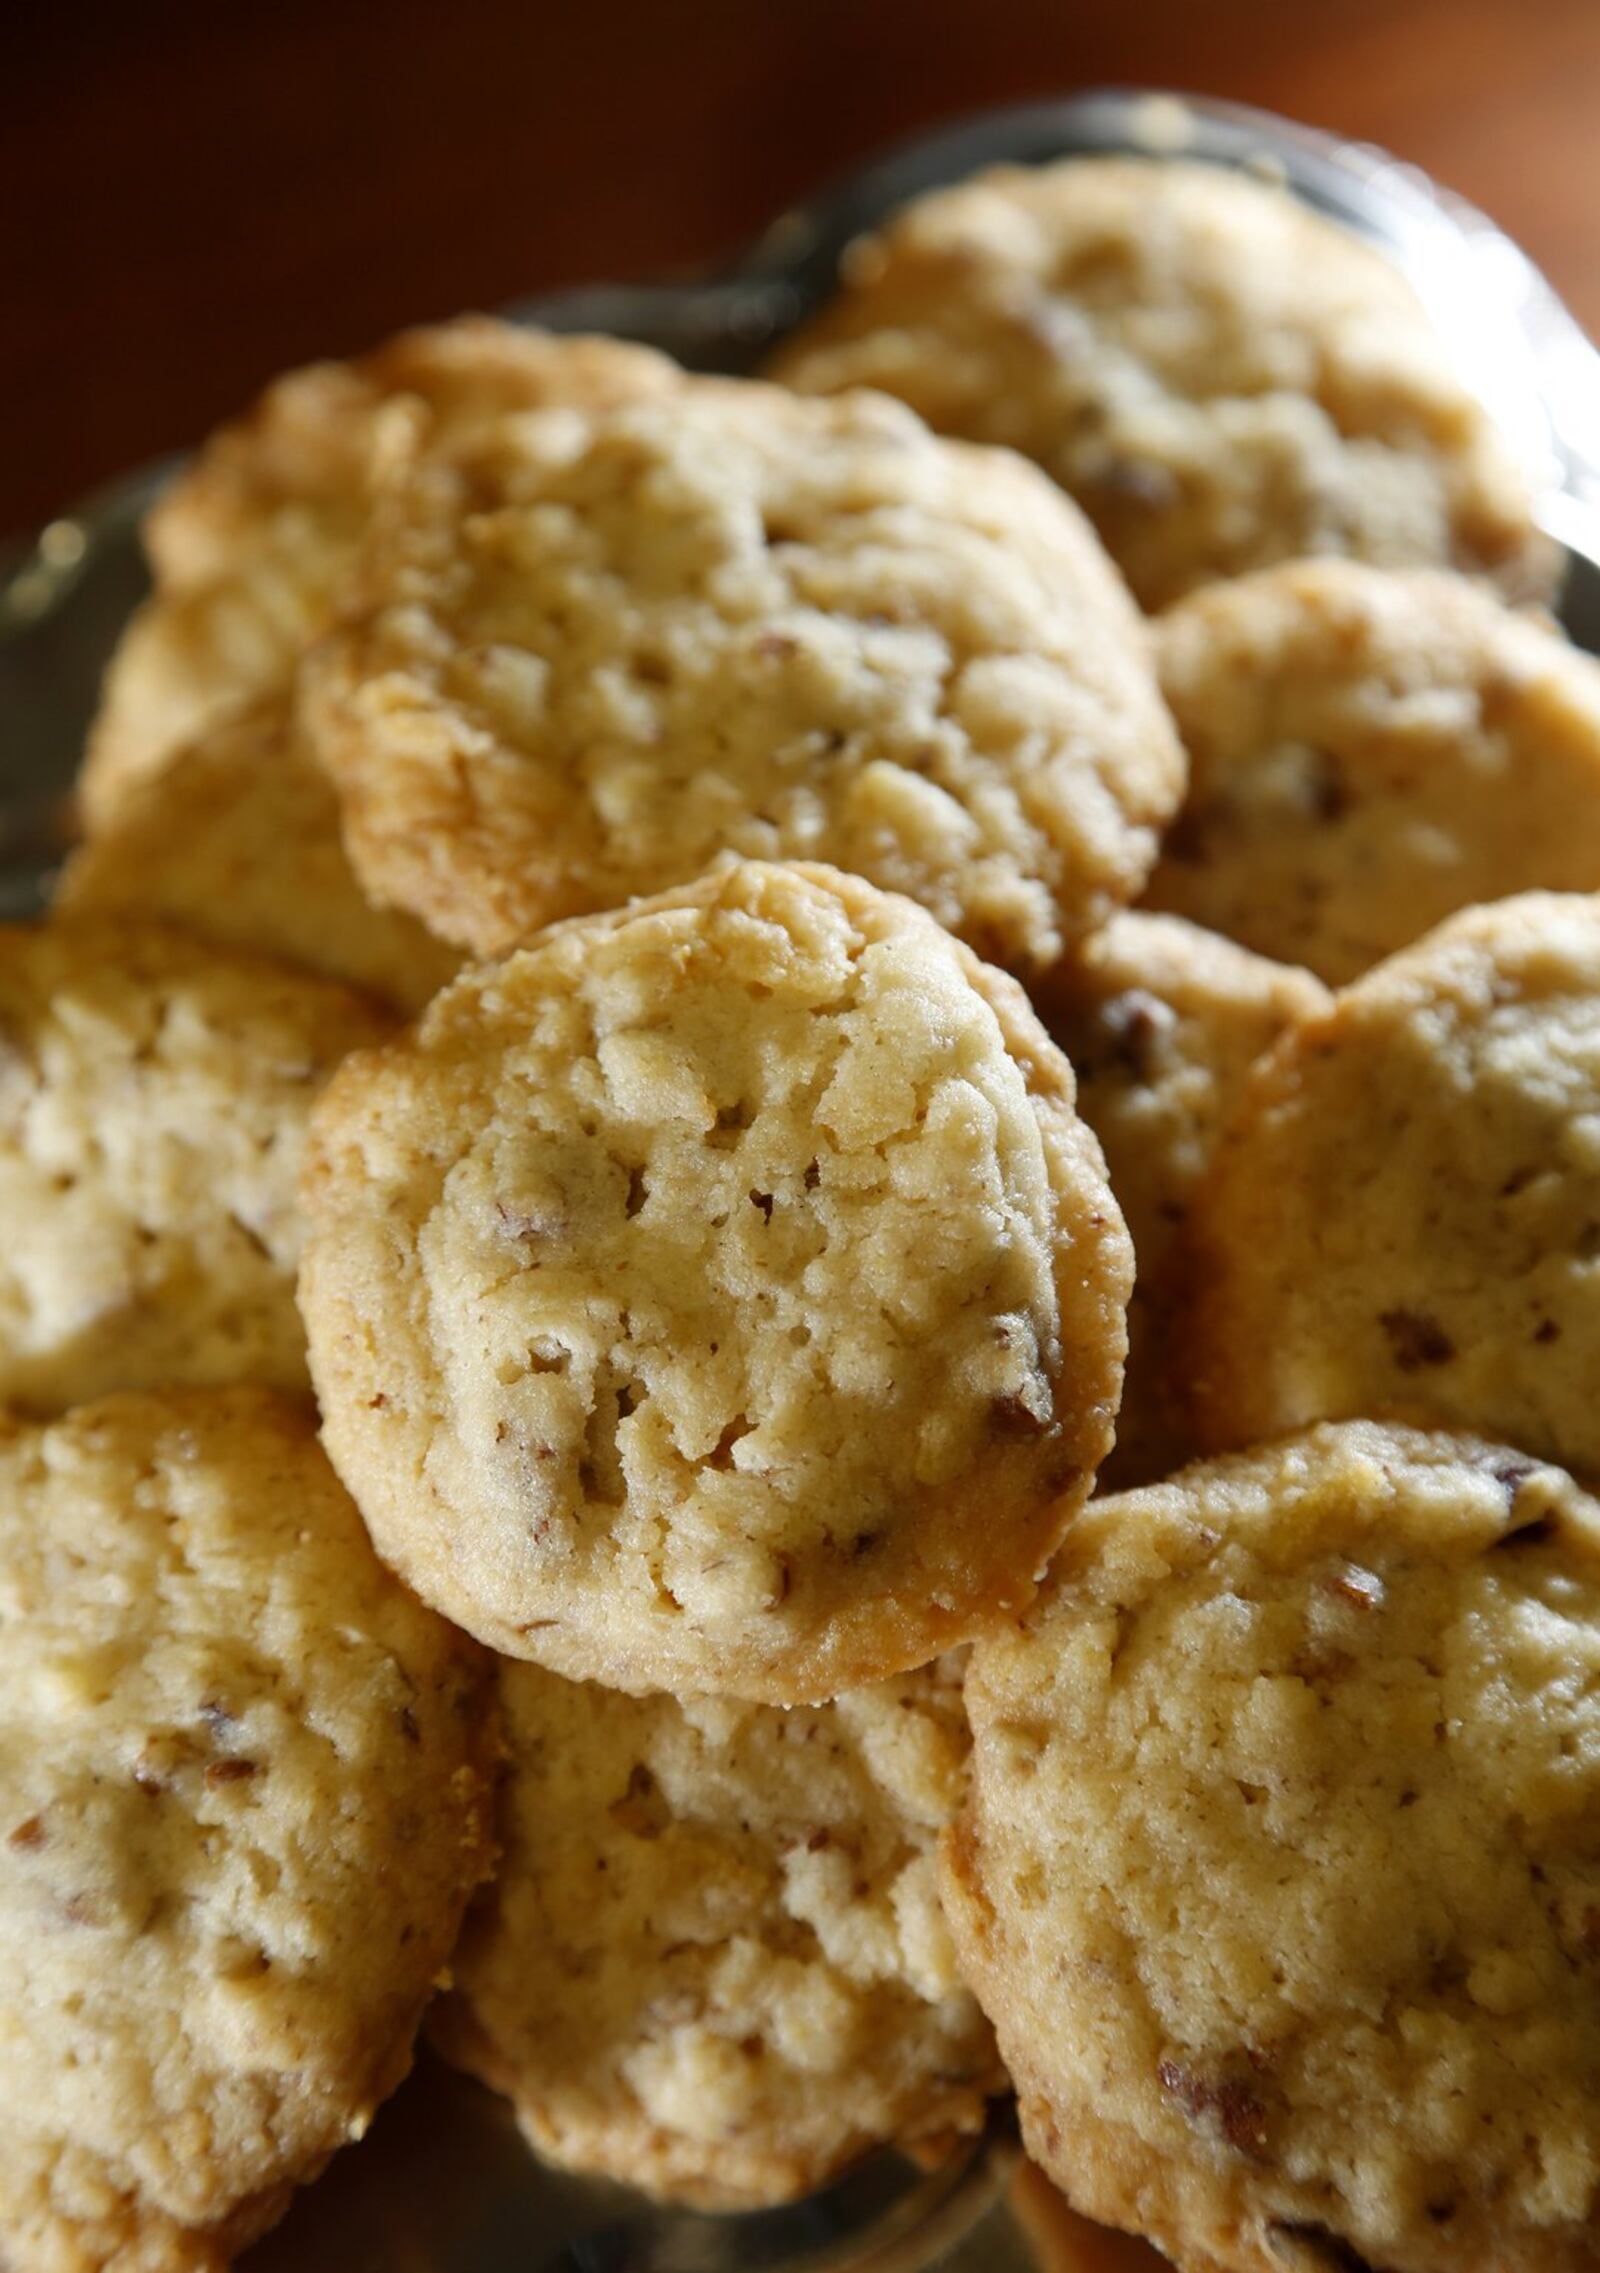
(253, 543)
(237, 838)
(154, 1092)
(1281, 1881)
(1370, 751)
(713, 1963)
(597, 652)
(1218, 375)
(245, 1793)
(718, 1295)
(1162, 1022)
(1401, 1218)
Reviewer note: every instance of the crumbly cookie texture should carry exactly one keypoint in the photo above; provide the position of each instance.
(1281, 1880)
(1220, 377)
(598, 650)
(1401, 1218)
(245, 1787)
(1369, 752)
(714, 1963)
(237, 838)
(253, 543)
(154, 1093)
(1162, 1022)
(718, 1295)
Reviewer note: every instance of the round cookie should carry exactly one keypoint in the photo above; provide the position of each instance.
(1162, 1022)
(1402, 1216)
(244, 1794)
(1281, 1880)
(1218, 375)
(252, 544)
(154, 1094)
(718, 1295)
(236, 838)
(713, 1963)
(1370, 751)
(596, 652)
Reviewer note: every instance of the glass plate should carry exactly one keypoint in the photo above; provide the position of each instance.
(443, 2183)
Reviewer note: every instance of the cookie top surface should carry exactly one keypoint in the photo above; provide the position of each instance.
(718, 1295)
(252, 543)
(714, 1963)
(154, 1092)
(1282, 1879)
(1219, 376)
(1401, 1216)
(222, 1723)
(1162, 1021)
(1370, 751)
(236, 838)
(597, 650)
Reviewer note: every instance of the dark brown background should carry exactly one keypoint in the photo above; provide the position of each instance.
(203, 191)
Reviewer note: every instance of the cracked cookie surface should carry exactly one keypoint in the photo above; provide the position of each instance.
(1401, 1218)
(1281, 1876)
(718, 1295)
(597, 651)
(223, 1728)
(253, 544)
(1218, 375)
(154, 1094)
(1368, 753)
(713, 1963)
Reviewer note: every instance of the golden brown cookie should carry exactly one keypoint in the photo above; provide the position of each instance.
(718, 1295)
(244, 1795)
(597, 651)
(154, 1092)
(1218, 375)
(1162, 1022)
(236, 838)
(714, 1964)
(1404, 1215)
(1370, 751)
(1281, 1880)
(254, 542)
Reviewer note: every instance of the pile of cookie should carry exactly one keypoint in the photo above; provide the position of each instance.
(707, 963)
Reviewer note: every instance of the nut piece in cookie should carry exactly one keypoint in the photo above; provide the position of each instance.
(722, 1294)
(1281, 1878)
(713, 1963)
(1218, 375)
(1403, 1217)
(253, 544)
(236, 838)
(1162, 1022)
(1370, 752)
(245, 1791)
(595, 651)
(154, 1092)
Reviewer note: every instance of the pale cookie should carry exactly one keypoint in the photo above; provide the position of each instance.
(1404, 1216)
(244, 1795)
(1162, 1022)
(1281, 1881)
(714, 1964)
(1370, 751)
(718, 1295)
(598, 651)
(154, 1093)
(1219, 376)
(253, 543)
(237, 838)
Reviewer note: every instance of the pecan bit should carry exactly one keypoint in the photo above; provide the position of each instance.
(1416, 1340)
(1017, 1418)
(1353, 1583)
(229, 1771)
(1238, 2114)
(1133, 1022)
(28, 1835)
